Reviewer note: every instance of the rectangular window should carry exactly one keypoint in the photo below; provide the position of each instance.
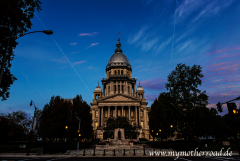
(106, 114)
(131, 113)
(111, 113)
(119, 112)
(105, 124)
(142, 123)
(96, 124)
(141, 113)
(96, 114)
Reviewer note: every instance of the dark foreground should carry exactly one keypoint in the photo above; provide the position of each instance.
(232, 158)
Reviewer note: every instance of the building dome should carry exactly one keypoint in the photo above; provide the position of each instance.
(139, 88)
(98, 89)
(118, 59)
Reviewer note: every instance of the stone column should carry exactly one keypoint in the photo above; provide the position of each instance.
(126, 92)
(99, 117)
(136, 116)
(103, 90)
(139, 115)
(133, 89)
(108, 111)
(116, 86)
(102, 116)
(120, 87)
(129, 112)
(145, 118)
(111, 87)
(122, 111)
(115, 111)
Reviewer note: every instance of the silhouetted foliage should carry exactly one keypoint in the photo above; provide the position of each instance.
(120, 122)
(15, 16)
(82, 110)
(56, 116)
(15, 126)
(184, 107)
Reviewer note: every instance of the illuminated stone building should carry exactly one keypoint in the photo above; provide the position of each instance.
(119, 97)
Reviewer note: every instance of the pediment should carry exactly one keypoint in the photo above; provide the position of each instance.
(119, 98)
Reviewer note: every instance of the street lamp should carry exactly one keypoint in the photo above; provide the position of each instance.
(160, 130)
(32, 103)
(66, 127)
(48, 32)
(171, 126)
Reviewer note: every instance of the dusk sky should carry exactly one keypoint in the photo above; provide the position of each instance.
(156, 35)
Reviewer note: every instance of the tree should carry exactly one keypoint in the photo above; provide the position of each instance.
(54, 118)
(15, 126)
(183, 105)
(163, 117)
(15, 21)
(120, 122)
(82, 110)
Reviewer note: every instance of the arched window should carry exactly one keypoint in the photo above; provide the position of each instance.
(118, 72)
(121, 72)
(115, 72)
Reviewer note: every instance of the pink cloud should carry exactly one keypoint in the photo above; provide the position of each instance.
(93, 44)
(59, 60)
(73, 43)
(90, 67)
(224, 50)
(151, 97)
(153, 84)
(79, 62)
(88, 34)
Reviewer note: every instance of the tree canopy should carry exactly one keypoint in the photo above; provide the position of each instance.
(120, 122)
(56, 116)
(183, 106)
(15, 18)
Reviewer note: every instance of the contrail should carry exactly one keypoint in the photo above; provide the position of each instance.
(65, 56)
(173, 30)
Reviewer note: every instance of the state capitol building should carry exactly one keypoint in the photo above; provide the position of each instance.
(119, 97)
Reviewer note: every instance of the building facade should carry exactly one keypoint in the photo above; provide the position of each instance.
(119, 97)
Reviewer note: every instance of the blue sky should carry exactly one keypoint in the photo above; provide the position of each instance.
(155, 36)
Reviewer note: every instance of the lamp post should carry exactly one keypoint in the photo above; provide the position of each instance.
(48, 32)
(32, 103)
(66, 127)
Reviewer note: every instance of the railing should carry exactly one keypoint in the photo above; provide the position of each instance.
(114, 152)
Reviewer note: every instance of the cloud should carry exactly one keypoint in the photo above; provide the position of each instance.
(153, 84)
(90, 67)
(224, 50)
(60, 60)
(204, 8)
(148, 45)
(79, 62)
(88, 34)
(137, 36)
(184, 45)
(151, 97)
(73, 43)
(74, 52)
(163, 44)
(93, 44)
(213, 8)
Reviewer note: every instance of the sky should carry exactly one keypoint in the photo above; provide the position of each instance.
(155, 37)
